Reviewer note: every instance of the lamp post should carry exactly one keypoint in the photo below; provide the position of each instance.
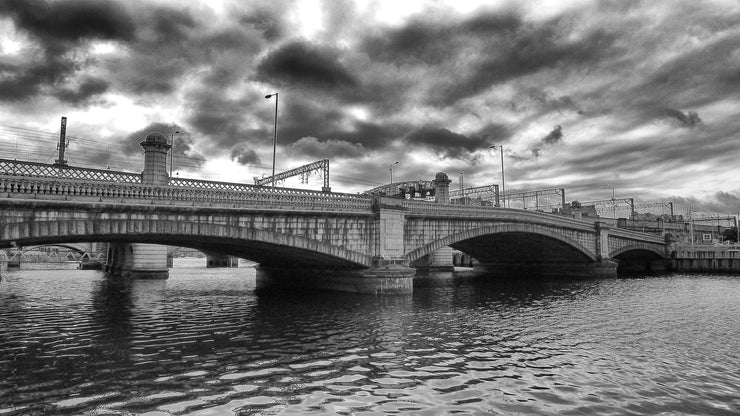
(614, 202)
(462, 187)
(172, 149)
(503, 182)
(274, 139)
(391, 169)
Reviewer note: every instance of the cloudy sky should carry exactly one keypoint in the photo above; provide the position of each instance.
(644, 96)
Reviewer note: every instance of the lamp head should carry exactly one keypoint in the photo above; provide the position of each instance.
(270, 95)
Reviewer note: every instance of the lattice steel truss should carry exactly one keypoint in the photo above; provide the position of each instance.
(488, 193)
(538, 199)
(655, 208)
(715, 219)
(21, 168)
(614, 208)
(318, 166)
(419, 189)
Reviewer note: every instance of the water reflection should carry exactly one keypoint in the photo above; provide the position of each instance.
(204, 342)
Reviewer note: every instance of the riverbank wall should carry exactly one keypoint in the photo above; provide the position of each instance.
(706, 259)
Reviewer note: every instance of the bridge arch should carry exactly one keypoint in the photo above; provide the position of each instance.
(500, 229)
(640, 258)
(77, 248)
(636, 249)
(262, 246)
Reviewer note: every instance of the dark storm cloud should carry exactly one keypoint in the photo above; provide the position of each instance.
(167, 26)
(691, 77)
(548, 103)
(88, 88)
(165, 47)
(554, 136)
(434, 39)
(699, 75)
(223, 55)
(495, 133)
(56, 28)
(305, 65)
(486, 49)
(70, 21)
(20, 83)
(268, 23)
(334, 149)
(446, 142)
(220, 118)
(541, 49)
(689, 120)
(245, 156)
(160, 43)
(301, 118)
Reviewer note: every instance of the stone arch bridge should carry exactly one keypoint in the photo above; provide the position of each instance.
(340, 241)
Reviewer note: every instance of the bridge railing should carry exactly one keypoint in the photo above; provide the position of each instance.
(44, 170)
(635, 235)
(245, 197)
(473, 211)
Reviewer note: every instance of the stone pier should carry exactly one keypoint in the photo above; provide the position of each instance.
(145, 261)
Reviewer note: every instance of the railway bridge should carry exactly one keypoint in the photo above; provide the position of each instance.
(347, 242)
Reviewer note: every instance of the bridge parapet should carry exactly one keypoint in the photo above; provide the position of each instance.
(127, 193)
(426, 209)
(636, 236)
(33, 169)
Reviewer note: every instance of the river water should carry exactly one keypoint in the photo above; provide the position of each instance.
(203, 342)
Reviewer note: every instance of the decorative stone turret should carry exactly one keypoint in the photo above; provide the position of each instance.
(442, 188)
(156, 148)
(140, 260)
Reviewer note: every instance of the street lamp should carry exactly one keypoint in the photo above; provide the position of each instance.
(274, 139)
(391, 169)
(614, 203)
(172, 149)
(462, 187)
(503, 182)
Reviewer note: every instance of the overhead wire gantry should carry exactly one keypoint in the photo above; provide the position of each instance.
(320, 165)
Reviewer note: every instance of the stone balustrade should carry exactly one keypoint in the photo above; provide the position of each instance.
(245, 196)
(34, 169)
(422, 208)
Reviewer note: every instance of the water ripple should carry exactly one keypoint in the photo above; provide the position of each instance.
(203, 343)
